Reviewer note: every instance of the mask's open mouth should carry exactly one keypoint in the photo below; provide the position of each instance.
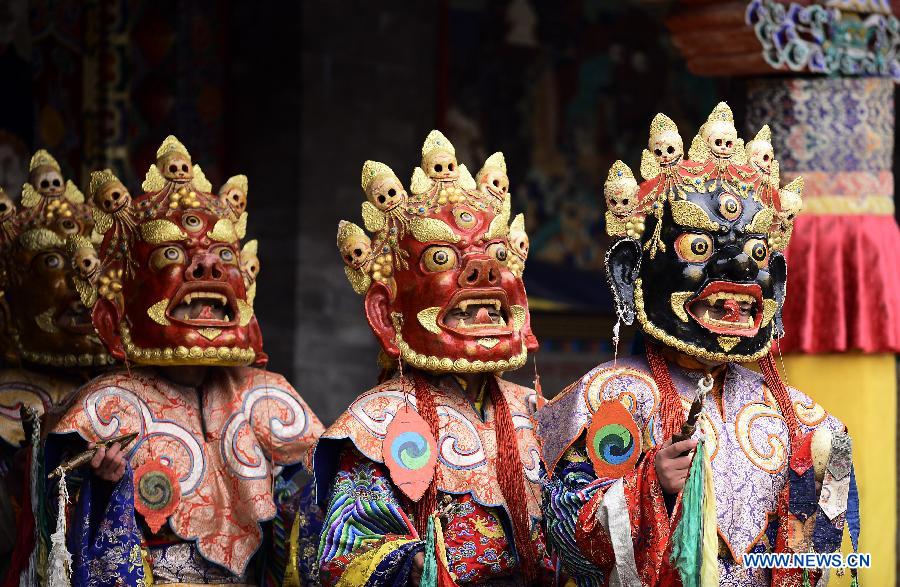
(204, 304)
(74, 318)
(481, 312)
(724, 307)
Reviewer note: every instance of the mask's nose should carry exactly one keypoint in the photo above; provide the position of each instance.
(480, 273)
(205, 267)
(733, 264)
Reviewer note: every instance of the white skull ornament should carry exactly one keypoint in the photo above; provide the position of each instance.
(439, 158)
(721, 138)
(176, 167)
(620, 191)
(112, 196)
(354, 244)
(719, 133)
(48, 181)
(492, 178)
(233, 194)
(760, 151)
(382, 186)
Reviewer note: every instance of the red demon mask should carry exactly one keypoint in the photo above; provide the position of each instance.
(44, 320)
(443, 286)
(172, 290)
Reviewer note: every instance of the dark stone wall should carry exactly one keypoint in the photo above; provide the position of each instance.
(263, 126)
(368, 75)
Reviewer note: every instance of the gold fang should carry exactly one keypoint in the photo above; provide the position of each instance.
(428, 319)
(518, 314)
(157, 312)
(488, 343)
(728, 342)
(209, 333)
(677, 300)
(45, 321)
(245, 312)
(769, 309)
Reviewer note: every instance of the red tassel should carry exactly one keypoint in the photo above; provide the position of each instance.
(779, 390)
(426, 506)
(509, 474)
(671, 411)
(25, 534)
(512, 483)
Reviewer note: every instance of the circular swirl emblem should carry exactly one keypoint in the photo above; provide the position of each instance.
(157, 492)
(411, 450)
(613, 440)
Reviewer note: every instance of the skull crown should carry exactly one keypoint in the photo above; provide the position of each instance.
(717, 152)
(390, 209)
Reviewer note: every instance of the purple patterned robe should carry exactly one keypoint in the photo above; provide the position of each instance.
(746, 437)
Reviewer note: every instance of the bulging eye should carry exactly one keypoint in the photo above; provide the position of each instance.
(729, 207)
(165, 256)
(69, 226)
(227, 255)
(497, 251)
(757, 250)
(52, 261)
(670, 150)
(693, 247)
(436, 259)
(192, 223)
(657, 152)
(464, 218)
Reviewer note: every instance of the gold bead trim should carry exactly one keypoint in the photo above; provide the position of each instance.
(62, 360)
(447, 365)
(181, 355)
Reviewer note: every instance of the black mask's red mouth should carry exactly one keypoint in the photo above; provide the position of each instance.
(724, 307)
(74, 318)
(204, 304)
(478, 313)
